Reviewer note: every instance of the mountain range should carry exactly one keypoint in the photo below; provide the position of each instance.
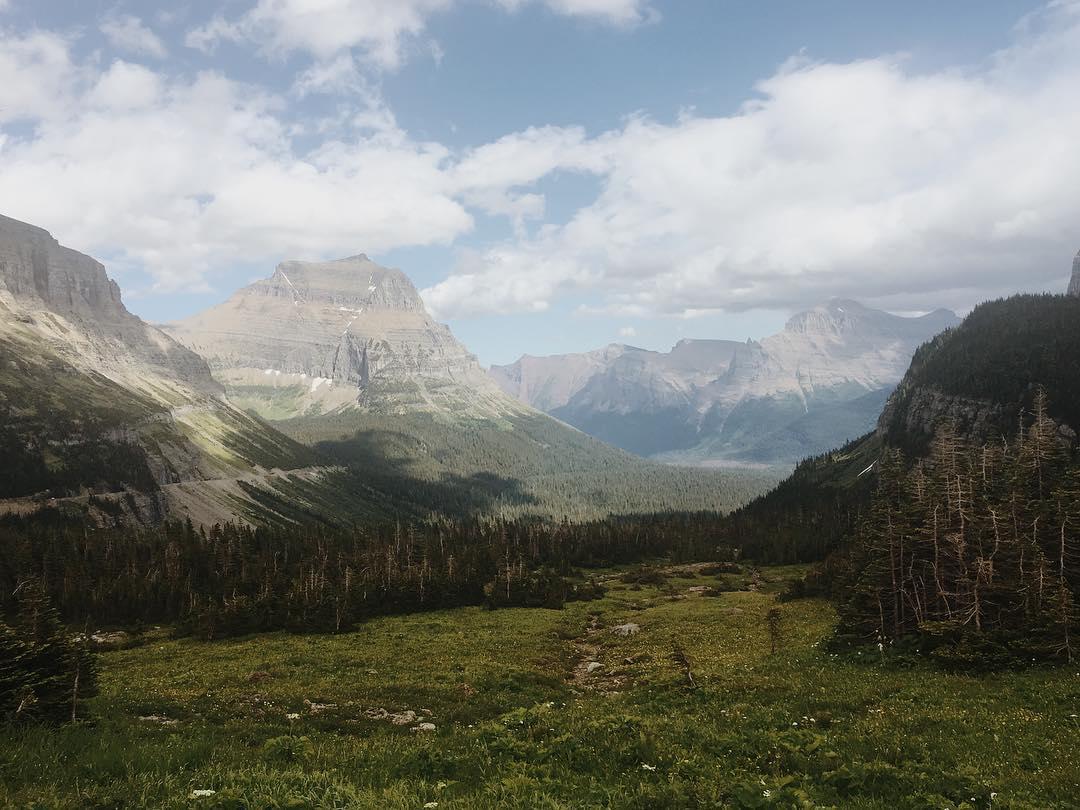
(324, 393)
(813, 386)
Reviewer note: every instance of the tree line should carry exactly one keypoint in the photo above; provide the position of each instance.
(233, 579)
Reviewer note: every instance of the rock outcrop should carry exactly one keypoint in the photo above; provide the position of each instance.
(95, 400)
(819, 382)
(319, 336)
(76, 308)
(1074, 284)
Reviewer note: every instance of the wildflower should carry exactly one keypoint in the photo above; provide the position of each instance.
(766, 793)
(202, 794)
(292, 716)
(432, 804)
(648, 767)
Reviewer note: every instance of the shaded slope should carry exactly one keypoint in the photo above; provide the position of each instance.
(980, 377)
(529, 464)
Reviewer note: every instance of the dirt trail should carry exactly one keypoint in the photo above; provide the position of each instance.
(586, 676)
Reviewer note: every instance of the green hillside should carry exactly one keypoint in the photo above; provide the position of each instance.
(512, 467)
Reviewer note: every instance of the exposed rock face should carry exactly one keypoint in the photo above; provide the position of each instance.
(1074, 285)
(812, 386)
(94, 399)
(317, 336)
(39, 279)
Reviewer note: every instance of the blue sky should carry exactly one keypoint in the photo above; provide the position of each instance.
(555, 175)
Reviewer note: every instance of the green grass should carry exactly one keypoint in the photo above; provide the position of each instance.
(811, 728)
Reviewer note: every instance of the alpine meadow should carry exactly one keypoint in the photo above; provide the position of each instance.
(563, 404)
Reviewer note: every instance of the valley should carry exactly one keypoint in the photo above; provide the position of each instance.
(539, 405)
(338, 720)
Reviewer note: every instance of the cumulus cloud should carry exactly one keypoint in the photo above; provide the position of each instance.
(186, 175)
(865, 179)
(379, 30)
(128, 34)
(36, 75)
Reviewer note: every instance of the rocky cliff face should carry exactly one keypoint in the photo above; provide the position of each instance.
(94, 399)
(814, 385)
(1074, 285)
(320, 336)
(69, 301)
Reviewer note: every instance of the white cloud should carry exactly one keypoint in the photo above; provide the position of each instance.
(36, 74)
(379, 30)
(324, 28)
(183, 176)
(618, 12)
(865, 179)
(127, 33)
(627, 332)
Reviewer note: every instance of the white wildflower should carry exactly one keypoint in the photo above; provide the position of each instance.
(292, 716)
(202, 794)
(432, 804)
(648, 767)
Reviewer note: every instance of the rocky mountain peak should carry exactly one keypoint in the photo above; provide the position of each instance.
(38, 271)
(318, 336)
(836, 316)
(1074, 285)
(353, 283)
(65, 300)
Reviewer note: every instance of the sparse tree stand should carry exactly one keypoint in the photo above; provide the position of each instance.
(972, 554)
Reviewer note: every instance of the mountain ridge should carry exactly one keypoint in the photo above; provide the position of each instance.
(94, 401)
(711, 401)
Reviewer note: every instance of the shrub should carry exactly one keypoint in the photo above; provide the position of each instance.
(288, 749)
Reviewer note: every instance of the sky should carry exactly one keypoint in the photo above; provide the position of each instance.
(555, 175)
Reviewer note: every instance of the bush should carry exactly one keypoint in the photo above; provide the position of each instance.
(288, 749)
(645, 575)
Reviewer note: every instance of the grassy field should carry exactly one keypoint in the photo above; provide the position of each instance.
(499, 709)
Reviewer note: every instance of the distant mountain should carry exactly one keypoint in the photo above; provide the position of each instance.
(979, 379)
(94, 400)
(816, 384)
(319, 336)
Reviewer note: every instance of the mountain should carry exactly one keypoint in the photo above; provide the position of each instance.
(319, 336)
(979, 380)
(343, 356)
(94, 400)
(819, 382)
